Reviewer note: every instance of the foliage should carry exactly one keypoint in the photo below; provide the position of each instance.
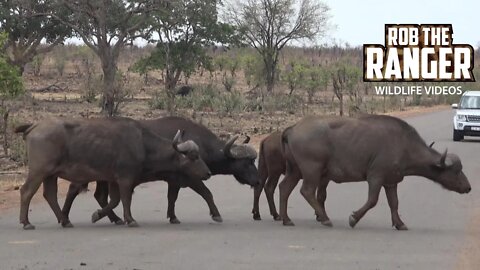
(252, 69)
(294, 75)
(37, 62)
(28, 27)
(106, 27)
(268, 26)
(280, 102)
(184, 29)
(231, 102)
(11, 84)
(316, 79)
(345, 80)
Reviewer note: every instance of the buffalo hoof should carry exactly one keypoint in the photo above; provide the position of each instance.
(67, 224)
(174, 221)
(96, 216)
(28, 227)
(352, 221)
(327, 223)
(256, 216)
(119, 222)
(217, 219)
(277, 217)
(288, 223)
(132, 224)
(401, 227)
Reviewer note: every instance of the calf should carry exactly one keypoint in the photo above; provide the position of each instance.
(271, 164)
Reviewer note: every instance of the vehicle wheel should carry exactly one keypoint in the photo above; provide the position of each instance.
(457, 135)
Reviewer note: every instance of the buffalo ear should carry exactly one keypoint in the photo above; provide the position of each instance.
(247, 139)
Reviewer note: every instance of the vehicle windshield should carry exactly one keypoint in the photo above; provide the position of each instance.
(470, 102)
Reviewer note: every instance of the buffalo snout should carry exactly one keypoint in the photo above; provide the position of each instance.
(467, 188)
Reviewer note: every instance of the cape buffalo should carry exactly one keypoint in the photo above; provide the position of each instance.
(271, 164)
(381, 150)
(221, 158)
(118, 150)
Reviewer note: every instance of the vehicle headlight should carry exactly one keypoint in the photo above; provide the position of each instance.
(461, 117)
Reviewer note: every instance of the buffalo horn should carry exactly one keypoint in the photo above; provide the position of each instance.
(442, 159)
(177, 139)
(228, 146)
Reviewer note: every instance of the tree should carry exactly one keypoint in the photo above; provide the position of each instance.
(106, 27)
(11, 86)
(345, 79)
(316, 79)
(26, 31)
(183, 32)
(294, 76)
(269, 25)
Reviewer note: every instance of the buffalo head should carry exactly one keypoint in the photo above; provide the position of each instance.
(241, 161)
(189, 159)
(449, 173)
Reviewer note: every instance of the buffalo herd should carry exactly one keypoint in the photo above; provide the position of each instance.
(121, 153)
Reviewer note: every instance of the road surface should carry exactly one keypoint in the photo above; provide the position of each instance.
(437, 219)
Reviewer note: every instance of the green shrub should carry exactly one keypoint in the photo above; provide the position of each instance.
(159, 101)
(231, 102)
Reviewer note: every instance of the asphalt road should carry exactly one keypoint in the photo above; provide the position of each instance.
(437, 219)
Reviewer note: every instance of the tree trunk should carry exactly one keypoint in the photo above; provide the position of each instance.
(109, 72)
(340, 98)
(170, 84)
(270, 67)
(4, 131)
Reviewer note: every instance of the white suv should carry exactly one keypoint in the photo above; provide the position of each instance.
(466, 121)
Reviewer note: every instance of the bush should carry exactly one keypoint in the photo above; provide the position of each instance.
(204, 98)
(288, 103)
(18, 150)
(231, 102)
(60, 62)
(37, 64)
(159, 101)
(91, 88)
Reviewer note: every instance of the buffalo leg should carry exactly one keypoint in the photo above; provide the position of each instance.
(257, 191)
(126, 191)
(286, 187)
(72, 193)
(392, 198)
(28, 189)
(321, 197)
(373, 192)
(101, 195)
(50, 189)
(114, 201)
(269, 192)
(172, 198)
(200, 188)
(308, 189)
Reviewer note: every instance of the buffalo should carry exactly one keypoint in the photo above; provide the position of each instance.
(381, 150)
(118, 150)
(221, 157)
(271, 164)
